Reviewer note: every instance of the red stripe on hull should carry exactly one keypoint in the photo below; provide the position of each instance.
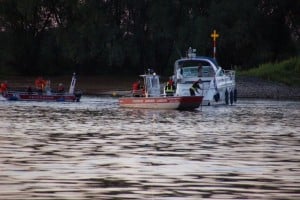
(42, 97)
(184, 103)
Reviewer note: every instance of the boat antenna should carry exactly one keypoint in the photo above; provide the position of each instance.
(72, 85)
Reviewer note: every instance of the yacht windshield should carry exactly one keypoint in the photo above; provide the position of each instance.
(188, 72)
(196, 68)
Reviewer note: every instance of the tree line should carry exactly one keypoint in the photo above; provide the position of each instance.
(127, 36)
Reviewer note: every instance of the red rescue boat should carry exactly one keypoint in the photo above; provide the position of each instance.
(44, 94)
(180, 103)
(149, 97)
(35, 96)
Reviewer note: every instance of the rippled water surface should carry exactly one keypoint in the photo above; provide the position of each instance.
(95, 150)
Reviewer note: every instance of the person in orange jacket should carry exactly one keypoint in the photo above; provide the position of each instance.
(40, 84)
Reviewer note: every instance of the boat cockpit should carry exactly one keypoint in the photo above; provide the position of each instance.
(188, 70)
(151, 84)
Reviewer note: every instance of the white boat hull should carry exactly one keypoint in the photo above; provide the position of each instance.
(217, 86)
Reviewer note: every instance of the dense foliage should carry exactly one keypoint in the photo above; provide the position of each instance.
(127, 36)
(287, 71)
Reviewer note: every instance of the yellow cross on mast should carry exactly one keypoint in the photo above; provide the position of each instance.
(214, 35)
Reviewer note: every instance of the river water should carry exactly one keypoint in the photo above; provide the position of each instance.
(95, 150)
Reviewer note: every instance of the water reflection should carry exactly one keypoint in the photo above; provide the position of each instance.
(95, 150)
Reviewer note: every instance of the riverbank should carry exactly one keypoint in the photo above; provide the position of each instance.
(253, 87)
(247, 87)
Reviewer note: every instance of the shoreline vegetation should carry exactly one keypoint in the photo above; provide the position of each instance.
(279, 80)
(286, 71)
(247, 86)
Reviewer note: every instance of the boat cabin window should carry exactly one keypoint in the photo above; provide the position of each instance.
(152, 82)
(152, 86)
(207, 71)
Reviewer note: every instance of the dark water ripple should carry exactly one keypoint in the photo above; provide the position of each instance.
(95, 150)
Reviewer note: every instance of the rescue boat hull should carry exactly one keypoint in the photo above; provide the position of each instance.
(54, 97)
(170, 103)
(43, 94)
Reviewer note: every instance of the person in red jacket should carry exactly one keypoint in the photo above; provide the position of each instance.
(137, 89)
(3, 87)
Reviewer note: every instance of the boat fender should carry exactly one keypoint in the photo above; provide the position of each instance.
(226, 97)
(235, 95)
(231, 97)
(217, 97)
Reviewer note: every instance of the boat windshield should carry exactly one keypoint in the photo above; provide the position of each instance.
(196, 68)
(207, 71)
(152, 85)
(195, 71)
(188, 72)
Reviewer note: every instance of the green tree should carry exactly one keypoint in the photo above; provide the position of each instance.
(129, 36)
(26, 23)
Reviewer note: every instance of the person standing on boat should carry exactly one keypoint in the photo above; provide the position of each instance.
(170, 87)
(3, 88)
(29, 90)
(137, 89)
(195, 88)
(48, 87)
(40, 84)
(179, 75)
(61, 88)
(200, 70)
